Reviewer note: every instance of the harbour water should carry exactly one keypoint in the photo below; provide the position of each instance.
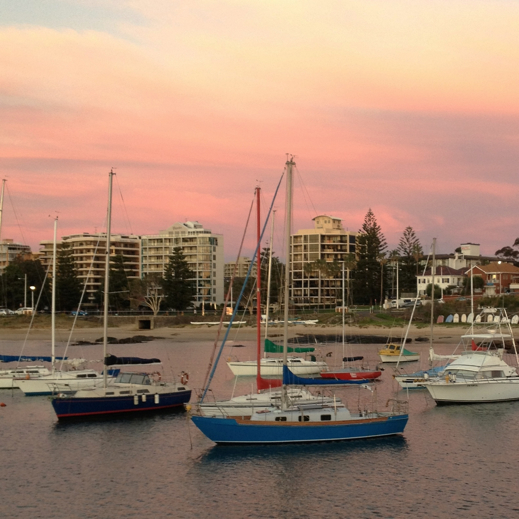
(456, 461)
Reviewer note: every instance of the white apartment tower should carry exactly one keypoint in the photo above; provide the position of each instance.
(88, 252)
(203, 251)
(327, 241)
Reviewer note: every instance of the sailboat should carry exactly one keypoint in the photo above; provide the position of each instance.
(349, 371)
(130, 392)
(8, 376)
(266, 395)
(273, 366)
(67, 380)
(417, 379)
(288, 423)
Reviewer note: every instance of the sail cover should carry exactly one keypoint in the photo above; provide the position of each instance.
(111, 360)
(28, 358)
(290, 379)
(271, 347)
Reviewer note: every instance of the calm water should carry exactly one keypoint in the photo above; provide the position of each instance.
(458, 461)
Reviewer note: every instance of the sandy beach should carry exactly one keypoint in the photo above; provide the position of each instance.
(191, 333)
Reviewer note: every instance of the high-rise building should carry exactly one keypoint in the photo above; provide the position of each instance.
(241, 266)
(326, 242)
(203, 251)
(10, 250)
(88, 252)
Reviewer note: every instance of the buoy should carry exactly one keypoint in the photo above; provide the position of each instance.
(2, 404)
(188, 407)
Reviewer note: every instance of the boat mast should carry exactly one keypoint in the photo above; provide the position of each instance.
(53, 298)
(107, 275)
(269, 279)
(289, 164)
(343, 311)
(433, 271)
(258, 283)
(2, 206)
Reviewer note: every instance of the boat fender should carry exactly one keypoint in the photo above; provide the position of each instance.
(156, 398)
(184, 378)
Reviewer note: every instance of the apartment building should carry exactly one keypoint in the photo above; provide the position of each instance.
(88, 252)
(9, 250)
(327, 241)
(242, 265)
(203, 251)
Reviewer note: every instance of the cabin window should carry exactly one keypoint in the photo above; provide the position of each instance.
(304, 418)
(124, 392)
(124, 378)
(142, 391)
(80, 376)
(92, 375)
(326, 417)
(109, 393)
(281, 418)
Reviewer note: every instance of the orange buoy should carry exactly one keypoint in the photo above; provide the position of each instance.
(2, 404)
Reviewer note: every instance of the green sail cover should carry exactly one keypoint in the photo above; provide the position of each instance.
(271, 347)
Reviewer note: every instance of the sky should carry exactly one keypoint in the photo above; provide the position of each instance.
(407, 107)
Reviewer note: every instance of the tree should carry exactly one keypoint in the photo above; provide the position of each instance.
(119, 286)
(478, 283)
(178, 285)
(508, 253)
(249, 291)
(147, 292)
(369, 275)
(437, 290)
(68, 286)
(410, 251)
(12, 283)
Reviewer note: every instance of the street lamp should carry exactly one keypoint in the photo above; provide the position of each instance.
(33, 288)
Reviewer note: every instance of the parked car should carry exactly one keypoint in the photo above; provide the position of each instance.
(6, 311)
(24, 310)
(81, 313)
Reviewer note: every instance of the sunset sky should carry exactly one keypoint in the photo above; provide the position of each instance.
(410, 107)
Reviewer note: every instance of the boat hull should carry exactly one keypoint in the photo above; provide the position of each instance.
(72, 407)
(274, 367)
(231, 430)
(475, 392)
(351, 375)
(69, 381)
(399, 358)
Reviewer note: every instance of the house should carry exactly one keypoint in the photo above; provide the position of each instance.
(499, 277)
(444, 277)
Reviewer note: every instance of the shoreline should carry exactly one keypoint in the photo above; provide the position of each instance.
(193, 333)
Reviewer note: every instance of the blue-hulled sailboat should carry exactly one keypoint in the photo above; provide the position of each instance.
(130, 392)
(315, 422)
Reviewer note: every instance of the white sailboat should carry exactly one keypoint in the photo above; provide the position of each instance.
(273, 366)
(9, 376)
(265, 397)
(66, 380)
